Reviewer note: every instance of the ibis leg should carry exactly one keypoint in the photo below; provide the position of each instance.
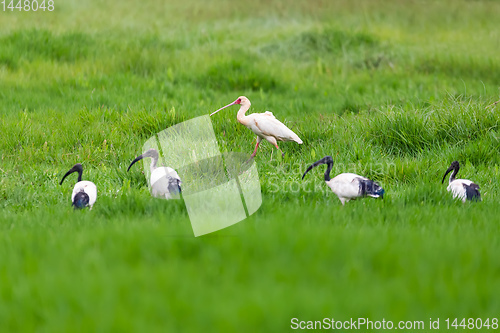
(282, 153)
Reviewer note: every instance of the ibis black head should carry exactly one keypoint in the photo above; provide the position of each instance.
(76, 168)
(325, 160)
(153, 153)
(455, 166)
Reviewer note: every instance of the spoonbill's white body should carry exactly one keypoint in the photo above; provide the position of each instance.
(462, 189)
(264, 125)
(348, 186)
(85, 192)
(165, 182)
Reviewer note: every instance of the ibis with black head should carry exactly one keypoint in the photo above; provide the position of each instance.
(164, 181)
(348, 186)
(85, 192)
(462, 189)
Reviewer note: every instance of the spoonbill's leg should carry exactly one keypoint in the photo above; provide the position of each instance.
(255, 150)
(256, 146)
(282, 153)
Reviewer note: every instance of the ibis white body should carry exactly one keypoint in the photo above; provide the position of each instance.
(88, 188)
(458, 190)
(164, 181)
(462, 189)
(348, 186)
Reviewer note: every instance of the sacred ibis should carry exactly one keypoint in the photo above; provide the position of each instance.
(84, 192)
(264, 125)
(164, 181)
(348, 186)
(462, 189)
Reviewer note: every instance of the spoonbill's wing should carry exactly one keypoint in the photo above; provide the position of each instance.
(268, 125)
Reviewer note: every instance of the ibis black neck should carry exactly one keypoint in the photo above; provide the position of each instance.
(328, 170)
(452, 177)
(80, 173)
(328, 160)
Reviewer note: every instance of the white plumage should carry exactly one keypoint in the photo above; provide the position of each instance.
(348, 186)
(85, 192)
(462, 189)
(264, 125)
(457, 188)
(164, 181)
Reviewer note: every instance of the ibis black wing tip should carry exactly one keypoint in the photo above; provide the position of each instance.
(472, 192)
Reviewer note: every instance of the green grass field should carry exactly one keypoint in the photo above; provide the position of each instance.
(393, 90)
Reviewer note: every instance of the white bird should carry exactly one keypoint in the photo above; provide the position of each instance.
(348, 186)
(165, 182)
(462, 189)
(84, 192)
(265, 125)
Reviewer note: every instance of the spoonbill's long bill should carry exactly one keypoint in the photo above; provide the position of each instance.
(462, 189)
(348, 186)
(264, 125)
(84, 192)
(165, 182)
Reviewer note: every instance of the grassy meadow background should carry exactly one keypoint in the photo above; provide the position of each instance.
(393, 90)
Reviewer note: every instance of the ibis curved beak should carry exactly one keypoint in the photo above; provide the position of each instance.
(76, 168)
(308, 169)
(66, 175)
(153, 153)
(223, 107)
(447, 172)
(324, 160)
(138, 158)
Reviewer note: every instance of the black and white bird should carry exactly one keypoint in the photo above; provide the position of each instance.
(165, 182)
(84, 192)
(462, 189)
(348, 186)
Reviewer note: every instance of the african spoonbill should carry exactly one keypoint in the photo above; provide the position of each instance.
(264, 125)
